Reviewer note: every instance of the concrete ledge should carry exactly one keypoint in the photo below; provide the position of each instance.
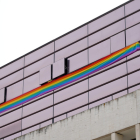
(99, 121)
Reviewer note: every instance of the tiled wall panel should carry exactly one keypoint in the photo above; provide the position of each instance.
(133, 64)
(134, 88)
(99, 51)
(45, 123)
(71, 104)
(77, 111)
(31, 82)
(71, 37)
(134, 78)
(30, 129)
(71, 91)
(11, 79)
(106, 20)
(42, 52)
(13, 136)
(107, 32)
(38, 65)
(100, 102)
(2, 95)
(132, 7)
(10, 110)
(45, 74)
(37, 118)
(133, 55)
(60, 118)
(10, 129)
(77, 61)
(105, 90)
(14, 90)
(12, 67)
(133, 19)
(74, 48)
(10, 117)
(75, 82)
(117, 42)
(38, 105)
(133, 35)
(58, 68)
(107, 76)
(117, 63)
(120, 94)
(39, 97)
(112, 65)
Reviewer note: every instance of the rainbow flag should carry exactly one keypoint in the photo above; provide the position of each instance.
(71, 77)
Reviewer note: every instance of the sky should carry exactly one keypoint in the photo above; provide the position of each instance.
(27, 24)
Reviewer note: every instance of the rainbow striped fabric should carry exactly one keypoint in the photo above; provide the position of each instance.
(71, 77)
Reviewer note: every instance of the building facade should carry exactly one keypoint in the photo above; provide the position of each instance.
(92, 68)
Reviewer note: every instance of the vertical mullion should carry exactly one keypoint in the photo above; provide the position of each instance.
(53, 91)
(125, 46)
(88, 60)
(22, 93)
